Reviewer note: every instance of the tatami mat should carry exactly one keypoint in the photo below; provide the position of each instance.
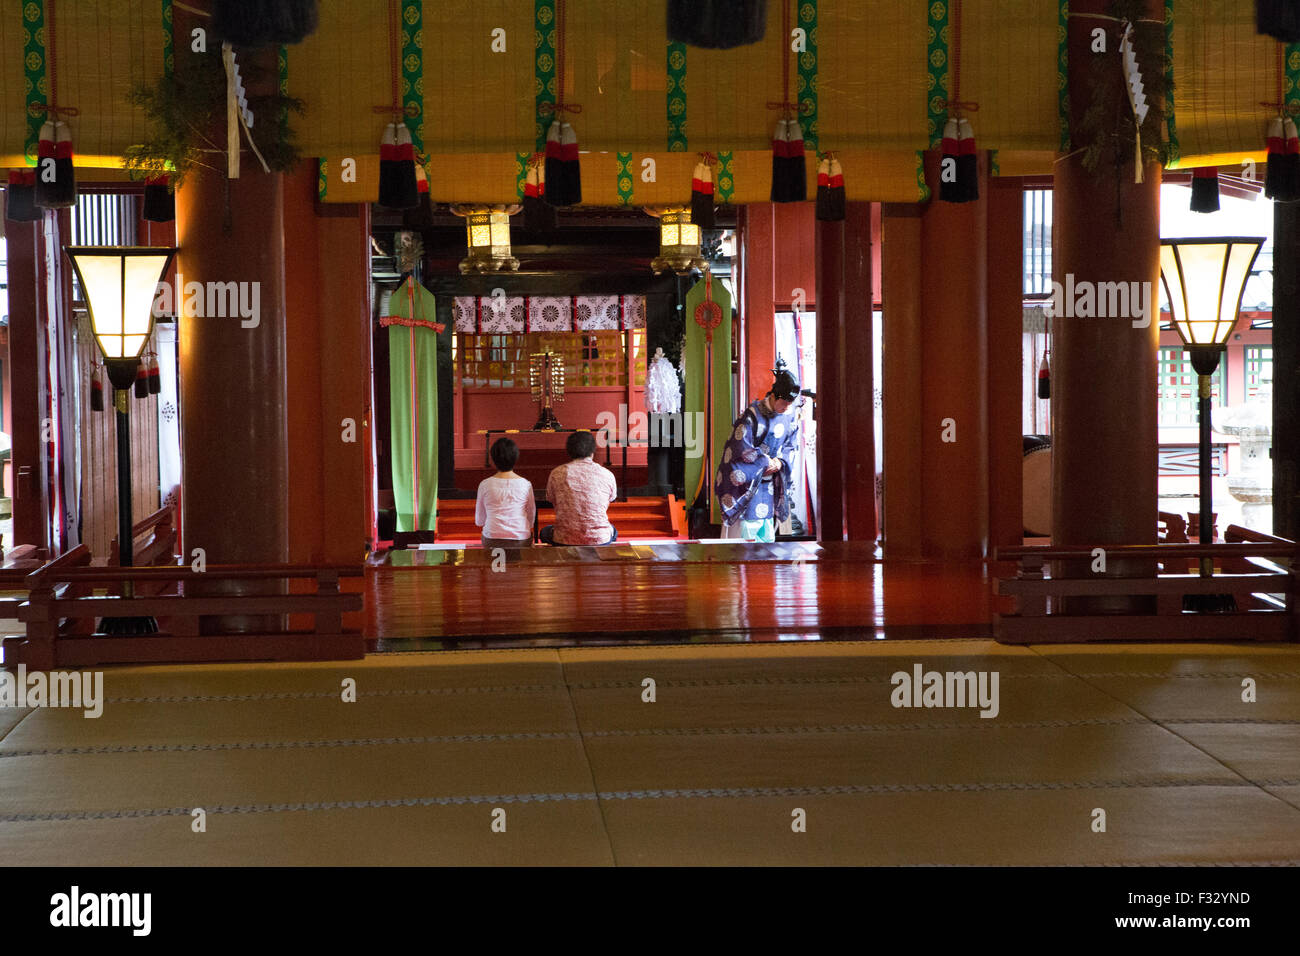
(587, 772)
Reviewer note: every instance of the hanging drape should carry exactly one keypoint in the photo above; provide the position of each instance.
(413, 392)
(708, 395)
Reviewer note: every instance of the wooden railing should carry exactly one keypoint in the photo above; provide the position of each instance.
(61, 610)
(1250, 571)
(159, 549)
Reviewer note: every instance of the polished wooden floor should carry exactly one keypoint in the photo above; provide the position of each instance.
(677, 591)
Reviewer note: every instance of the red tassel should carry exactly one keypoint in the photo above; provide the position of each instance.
(830, 190)
(563, 168)
(154, 375)
(397, 185)
(1274, 178)
(958, 169)
(539, 215)
(789, 178)
(1044, 378)
(141, 382)
(96, 391)
(702, 213)
(56, 183)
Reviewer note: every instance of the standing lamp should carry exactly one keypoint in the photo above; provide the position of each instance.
(119, 284)
(1204, 280)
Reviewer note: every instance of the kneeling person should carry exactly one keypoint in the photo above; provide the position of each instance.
(581, 492)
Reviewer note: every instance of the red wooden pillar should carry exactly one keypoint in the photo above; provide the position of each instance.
(1006, 324)
(760, 306)
(1104, 406)
(936, 376)
(954, 372)
(858, 383)
(901, 279)
(831, 383)
(29, 387)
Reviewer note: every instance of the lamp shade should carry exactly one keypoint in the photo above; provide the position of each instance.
(1204, 280)
(487, 235)
(119, 283)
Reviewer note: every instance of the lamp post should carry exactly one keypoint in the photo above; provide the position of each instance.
(119, 283)
(1204, 280)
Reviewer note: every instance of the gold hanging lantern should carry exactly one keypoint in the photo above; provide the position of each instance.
(679, 241)
(487, 233)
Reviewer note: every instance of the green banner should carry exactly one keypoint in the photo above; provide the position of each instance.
(413, 391)
(1063, 72)
(545, 85)
(806, 93)
(35, 84)
(413, 69)
(1174, 151)
(625, 179)
(937, 82)
(677, 98)
(726, 184)
(713, 410)
(169, 58)
(1291, 81)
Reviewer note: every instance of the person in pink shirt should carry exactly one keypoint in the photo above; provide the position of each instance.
(504, 507)
(581, 492)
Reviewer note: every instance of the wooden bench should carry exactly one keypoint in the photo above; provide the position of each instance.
(60, 615)
(1039, 592)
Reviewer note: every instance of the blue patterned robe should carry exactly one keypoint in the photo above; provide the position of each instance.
(758, 439)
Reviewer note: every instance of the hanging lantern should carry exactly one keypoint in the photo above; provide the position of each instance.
(679, 241)
(487, 232)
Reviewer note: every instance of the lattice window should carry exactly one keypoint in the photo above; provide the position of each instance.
(590, 358)
(1037, 243)
(1178, 386)
(1259, 371)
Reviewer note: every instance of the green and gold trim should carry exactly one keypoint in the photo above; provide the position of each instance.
(922, 187)
(936, 64)
(35, 85)
(726, 183)
(806, 89)
(521, 173)
(412, 45)
(169, 55)
(545, 85)
(676, 97)
(625, 179)
(1171, 129)
(1063, 72)
(322, 179)
(1291, 78)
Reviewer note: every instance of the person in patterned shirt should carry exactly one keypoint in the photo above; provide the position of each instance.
(758, 464)
(581, 492)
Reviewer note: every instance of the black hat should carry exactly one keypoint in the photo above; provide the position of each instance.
(784, 385)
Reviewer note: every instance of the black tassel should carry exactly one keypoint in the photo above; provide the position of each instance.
(702, 213)
(716, 24)
(1044, 378)
(397, 185)
(141, 382)
(20, 196)
(421, 217)
(830, 190)
(56, 183)
(789, 178)
(539, 215)
(1205, 189)
(1279, 19)
(154, 376)
(563, 169)
(159, 200)
(257, 23)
